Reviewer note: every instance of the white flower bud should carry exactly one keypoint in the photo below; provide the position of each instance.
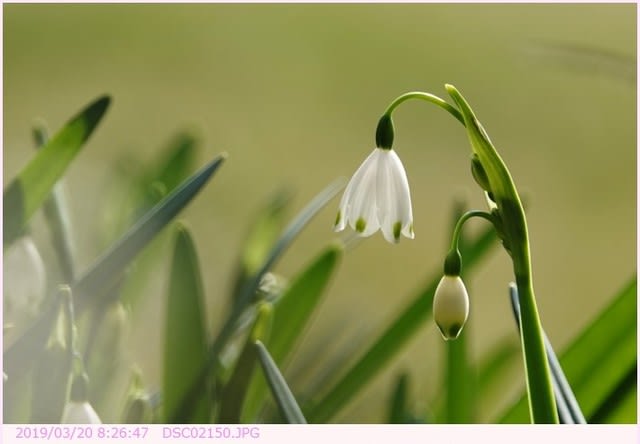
(78, 410)
(79, 413)
(450, 306)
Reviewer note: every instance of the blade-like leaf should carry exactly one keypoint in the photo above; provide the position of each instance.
(604, 352)
(176, 164)
(292, 312)
(490, 370)
(261, 236)
(57, 217)
(399, 409)
(568, 409)
(279, 388)
(290, 233)
(250, 288)
(147, 189)
(185, 344)
(297, 303)
(390, 342)
(24, 195)
(235, 391)
(107, 270)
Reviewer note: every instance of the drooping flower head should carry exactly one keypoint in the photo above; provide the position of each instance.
(377, 196)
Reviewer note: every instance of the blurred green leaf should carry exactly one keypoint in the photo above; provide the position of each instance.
(294, 308)
(392, 339)
(252, 285)
(57, 217)
(398, 404)
(185, 333)
(459, 383)
(569, 411)
(489, 371)
(279, 388)
(20, 355)
(24, 195)
(107, 270)
(618, 396)
(235, 391)
(292, 312)
(147, 189)
(399, 410)
(260, 238)
(175, 164)
(599, 359)
(621, 406)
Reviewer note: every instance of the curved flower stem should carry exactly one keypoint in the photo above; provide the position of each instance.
(465, 217)
(513, 228)
(427, 97)
(510, 221)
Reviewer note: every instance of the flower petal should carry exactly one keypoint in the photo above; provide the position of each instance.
(403, 195)
(361, 203)
(394, 199)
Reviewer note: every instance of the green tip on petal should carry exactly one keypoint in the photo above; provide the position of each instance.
(360, 225)
(338, 218)
(396, 231)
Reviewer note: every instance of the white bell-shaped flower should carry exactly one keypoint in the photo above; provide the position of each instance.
(450, 306)
(378, 197)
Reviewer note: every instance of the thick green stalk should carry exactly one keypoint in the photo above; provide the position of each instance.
(508, 217)
(542, 404)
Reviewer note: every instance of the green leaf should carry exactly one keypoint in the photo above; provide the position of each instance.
(279, 388)
(260, 239)
(399, 410)
(249, 290)
(292, 312)
(390, 342)
(57, 217)
(235, 391)
(145, 190)
(106, 271)
(24, 195)
(185, 344)
(605, 351)
(494, 362)
(569, 411)
(20, 356)
(176, 163)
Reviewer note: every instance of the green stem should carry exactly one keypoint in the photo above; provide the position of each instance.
(427, 97)
(465, 217)
(542, 405)
(513, 228)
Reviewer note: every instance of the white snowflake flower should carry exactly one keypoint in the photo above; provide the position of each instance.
(378, 197)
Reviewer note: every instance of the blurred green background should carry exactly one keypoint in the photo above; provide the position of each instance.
(293, 94)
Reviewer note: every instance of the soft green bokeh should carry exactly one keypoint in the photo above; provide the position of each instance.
(293, 94)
